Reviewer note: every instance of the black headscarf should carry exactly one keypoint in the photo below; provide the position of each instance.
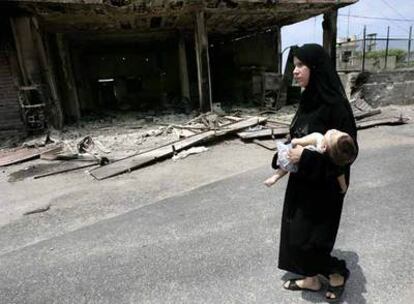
(324, 87)
(324, 83)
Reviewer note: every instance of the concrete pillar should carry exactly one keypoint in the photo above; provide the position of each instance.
(26, 50)
(55, 105)
(34, 65)
(182, 54)
(278, 47)
(203, 63)
(71, 104)
(329, 26)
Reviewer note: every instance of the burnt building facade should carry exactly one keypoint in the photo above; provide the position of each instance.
(63, 59)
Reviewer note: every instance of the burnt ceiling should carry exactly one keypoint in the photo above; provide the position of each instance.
(223, 17)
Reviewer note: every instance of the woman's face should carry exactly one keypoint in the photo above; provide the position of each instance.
(301, 73)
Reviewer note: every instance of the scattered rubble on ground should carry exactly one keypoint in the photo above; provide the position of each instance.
(127, 142)
(185, 153)
(38, 210)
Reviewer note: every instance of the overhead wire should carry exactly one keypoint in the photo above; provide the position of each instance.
(396, 24)
(376, 18)
(384, 18)
(394, 9)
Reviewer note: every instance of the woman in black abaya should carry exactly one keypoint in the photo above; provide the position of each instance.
(313, 200)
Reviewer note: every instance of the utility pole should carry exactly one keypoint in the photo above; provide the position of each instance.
(409, 44)
(386, 47)
(363, 48)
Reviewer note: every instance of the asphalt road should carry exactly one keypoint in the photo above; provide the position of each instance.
(219, 244)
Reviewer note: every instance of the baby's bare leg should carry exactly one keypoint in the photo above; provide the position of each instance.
(342, 183)
(275, 177)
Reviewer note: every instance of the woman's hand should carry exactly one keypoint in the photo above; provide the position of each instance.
(294, 154)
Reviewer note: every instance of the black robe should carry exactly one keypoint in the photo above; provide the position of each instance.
(313, 201)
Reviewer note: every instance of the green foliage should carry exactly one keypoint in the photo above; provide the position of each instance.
(400, 54)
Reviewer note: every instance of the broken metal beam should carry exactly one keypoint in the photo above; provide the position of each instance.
(361, 115)
(66, 170)
(267, 144)
(381, 121)
(279, 132)
(138, 160)
(23, 154)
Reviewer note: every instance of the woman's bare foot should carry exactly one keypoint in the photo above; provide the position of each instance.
(271, 180)
(311, 283)
(335, 280)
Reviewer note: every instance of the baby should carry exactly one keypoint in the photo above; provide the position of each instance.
(338, 145)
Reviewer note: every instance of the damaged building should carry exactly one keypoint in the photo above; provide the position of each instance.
(61, 60)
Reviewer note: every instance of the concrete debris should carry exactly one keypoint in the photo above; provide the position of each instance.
(102, 162)
(379, 121)
(263, 133)
(255, 128)
(183, 133)
(38, 210)
(269, 144)
(140, 159)
(21, 154)
(51, 154)
(156, 132)
(120, 136)
(89, 145)
(39, 141)
(185, 153)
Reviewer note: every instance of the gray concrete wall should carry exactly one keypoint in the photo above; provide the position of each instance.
(386, 88)
(371, 64)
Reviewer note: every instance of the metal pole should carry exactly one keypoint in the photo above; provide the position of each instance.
(409, 44)
(363, 48)
(386, 47)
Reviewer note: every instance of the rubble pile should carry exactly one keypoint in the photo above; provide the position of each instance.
(144, 138)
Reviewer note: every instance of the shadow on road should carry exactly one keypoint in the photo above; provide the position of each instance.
(355, 287)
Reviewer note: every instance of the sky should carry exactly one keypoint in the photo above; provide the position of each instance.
(310, 31)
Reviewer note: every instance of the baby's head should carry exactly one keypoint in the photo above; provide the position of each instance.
(340, 146)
